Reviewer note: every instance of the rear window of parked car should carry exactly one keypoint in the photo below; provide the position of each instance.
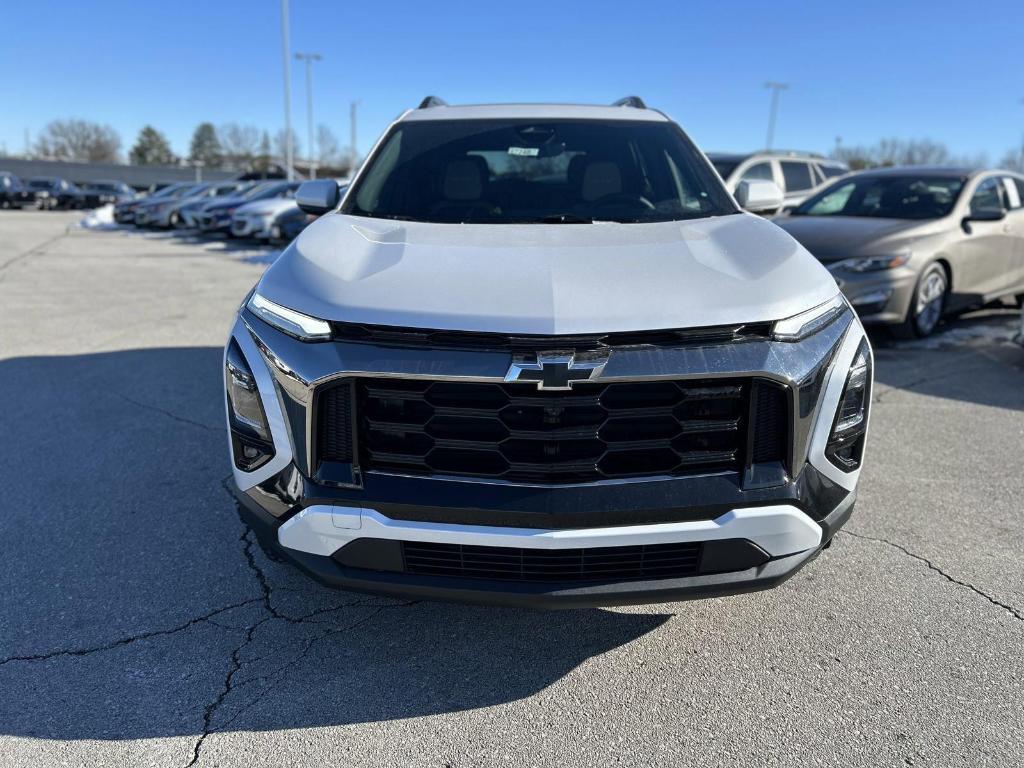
(797, 176)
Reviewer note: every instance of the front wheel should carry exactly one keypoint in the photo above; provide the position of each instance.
(927, 304)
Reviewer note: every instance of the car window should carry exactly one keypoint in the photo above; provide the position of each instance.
(759, 171)
(986, 196)
(723, 166)
(797, 175)
(551, 171)
(1019, 186)
(831, 171)
(1011, 194)
(888, 197)
(832, 201)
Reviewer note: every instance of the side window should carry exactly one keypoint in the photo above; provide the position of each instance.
(831, 171)
(1019, 183)
(761, 171)
(833, 202)
(1012, 188)
(986, 196)
(797, 176)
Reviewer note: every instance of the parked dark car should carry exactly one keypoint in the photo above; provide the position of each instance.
(54, 192)
(216, 217)
(124, 213)
(290, 224)
(14, 194)
(97, 193)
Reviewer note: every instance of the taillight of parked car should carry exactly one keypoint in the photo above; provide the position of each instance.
(846, 444)
(251, 444)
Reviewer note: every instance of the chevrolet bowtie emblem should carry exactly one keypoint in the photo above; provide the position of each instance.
(555, 370)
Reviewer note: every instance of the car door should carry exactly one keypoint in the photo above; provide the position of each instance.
(1014, 189)
(986, 248)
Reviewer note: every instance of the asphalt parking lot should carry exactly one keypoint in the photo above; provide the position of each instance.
(143, 625)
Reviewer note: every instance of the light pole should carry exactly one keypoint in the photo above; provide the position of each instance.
(352, 140)
(289, 160)
(775, 88)
(309, 58)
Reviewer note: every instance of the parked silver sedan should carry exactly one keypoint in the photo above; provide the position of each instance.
(909, 245)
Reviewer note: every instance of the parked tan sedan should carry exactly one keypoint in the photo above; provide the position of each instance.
(908, 245)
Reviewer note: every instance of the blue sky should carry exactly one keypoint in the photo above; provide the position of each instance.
(948, 71)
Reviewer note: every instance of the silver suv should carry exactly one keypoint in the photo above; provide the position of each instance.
(797, 174)
(537, 355)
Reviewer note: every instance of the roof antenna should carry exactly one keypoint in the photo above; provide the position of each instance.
(432, 101)
(630, 101)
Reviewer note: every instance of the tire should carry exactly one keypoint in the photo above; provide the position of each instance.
(927, 304)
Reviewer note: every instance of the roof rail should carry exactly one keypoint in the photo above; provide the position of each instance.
(792, 153)
(432, 101)
(630, 101)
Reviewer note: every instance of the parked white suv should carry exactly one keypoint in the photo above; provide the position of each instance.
(797, 174)
(537, 355)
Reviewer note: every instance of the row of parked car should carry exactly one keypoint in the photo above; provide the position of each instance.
(52, 192)
(261, 210)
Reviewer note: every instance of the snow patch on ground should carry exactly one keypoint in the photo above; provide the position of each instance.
(99, 218)
(997, 330)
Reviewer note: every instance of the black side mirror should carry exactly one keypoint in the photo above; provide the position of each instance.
(318, 197)
(982, 214)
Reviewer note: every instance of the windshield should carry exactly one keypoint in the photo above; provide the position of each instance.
(886, 197)
(40, 183)
(513, 171)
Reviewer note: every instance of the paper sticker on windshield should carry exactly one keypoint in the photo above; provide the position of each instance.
(524, 151)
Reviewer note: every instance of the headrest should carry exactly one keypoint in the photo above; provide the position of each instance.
(464, 178)
(601, 178)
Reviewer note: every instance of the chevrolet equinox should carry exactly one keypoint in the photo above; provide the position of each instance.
(538, 355)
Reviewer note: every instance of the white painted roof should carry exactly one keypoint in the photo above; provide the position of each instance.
(534, 111)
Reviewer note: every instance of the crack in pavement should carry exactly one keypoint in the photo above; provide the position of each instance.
(206, 617)
(32, 251)
(1017, 614)
(168, 414)
(248, 536)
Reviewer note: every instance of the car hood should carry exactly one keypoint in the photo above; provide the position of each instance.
(547, 278)
(272, 206)
(831, 238)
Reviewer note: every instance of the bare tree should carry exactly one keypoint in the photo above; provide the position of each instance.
(281, 145)
(79, 140)
(892, 151)
(239, 144)
(1014, 159)
(328, 151)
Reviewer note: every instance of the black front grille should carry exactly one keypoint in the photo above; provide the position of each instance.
(650, 561)
(519, 433)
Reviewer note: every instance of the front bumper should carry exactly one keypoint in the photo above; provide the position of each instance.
(318, 522)
(879, 297)
(214, 222)
(251, 226)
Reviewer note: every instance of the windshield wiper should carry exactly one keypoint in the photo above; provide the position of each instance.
(564, 218)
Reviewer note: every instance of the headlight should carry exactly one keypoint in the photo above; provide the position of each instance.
(846, 444)
(872, 263)
(799, 327)
(250, 433)
(288, 320)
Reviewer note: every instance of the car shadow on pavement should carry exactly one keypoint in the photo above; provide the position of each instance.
(137, 604)
(971, 359)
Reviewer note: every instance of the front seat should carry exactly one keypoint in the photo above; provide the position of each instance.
(464, 185)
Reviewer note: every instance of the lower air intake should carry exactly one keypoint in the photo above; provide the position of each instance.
(651, 561)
